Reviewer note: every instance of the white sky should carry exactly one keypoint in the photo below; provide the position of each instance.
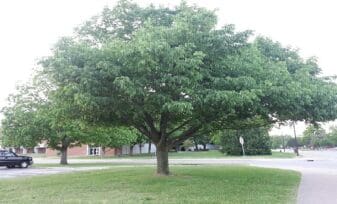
(30, 28)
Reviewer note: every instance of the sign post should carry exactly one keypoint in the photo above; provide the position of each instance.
(242, 142)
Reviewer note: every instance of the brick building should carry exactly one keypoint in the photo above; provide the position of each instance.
(78, 151)
(85, 150)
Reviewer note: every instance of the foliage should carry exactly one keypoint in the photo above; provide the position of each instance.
(316, 137)
(293, 143)
(169, 72)
(279, 141)
(21, 125)
(332, 135)
(113, 137)
(256, 141)
(203, 137)
(41, 113)
(313, 136)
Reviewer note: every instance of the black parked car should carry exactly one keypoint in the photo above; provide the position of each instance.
(12, 160)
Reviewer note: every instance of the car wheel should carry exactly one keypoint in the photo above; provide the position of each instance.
(24, 165)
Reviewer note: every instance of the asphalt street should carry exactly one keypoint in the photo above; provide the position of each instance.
(32, 171)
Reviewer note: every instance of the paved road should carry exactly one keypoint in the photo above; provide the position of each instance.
(318, 168)
(17, 172)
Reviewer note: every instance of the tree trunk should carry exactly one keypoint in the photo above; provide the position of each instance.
(162, 159)
(177, 147)
(296, 144)
(204, 146)
(131, 150)
(140, 148)
(64, 156)
(149, 150)
(103, 151)
(196, 148)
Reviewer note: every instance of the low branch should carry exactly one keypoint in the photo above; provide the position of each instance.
(155, 134)
(142, 130)
(179, 127)
(149, 121)
(163, 123)
(185, 135)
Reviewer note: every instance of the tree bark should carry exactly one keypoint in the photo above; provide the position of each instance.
(162, 159)
(131, 150)
(103, 151)
(296, 144)
(149, 150)
(177, 147)
(64, 156)
(140, 148)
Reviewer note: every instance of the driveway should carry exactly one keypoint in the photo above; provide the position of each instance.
(319, 175)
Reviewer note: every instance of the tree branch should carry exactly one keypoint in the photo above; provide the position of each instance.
(185, 135)
(142, 129)
(149, 121)
(163, 123)
(153, 130)
(180, 126)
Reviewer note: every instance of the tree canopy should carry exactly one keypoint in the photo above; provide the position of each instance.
(169, 72)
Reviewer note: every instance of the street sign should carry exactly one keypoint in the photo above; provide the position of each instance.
(241, 140)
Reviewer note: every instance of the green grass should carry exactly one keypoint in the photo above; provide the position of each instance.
(173, 155)
(198, 184)
(218, 154)
(200, 154)
(92, 164)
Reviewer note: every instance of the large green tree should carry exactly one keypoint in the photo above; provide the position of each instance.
(169, 72)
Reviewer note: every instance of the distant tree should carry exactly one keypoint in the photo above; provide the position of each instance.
(315, 137)
(279, 141)
(139, 139)
(332, 136)
(1, 139)
(35, 114)
(293, 143)
(110, 137)
(21, 125)
(203, 138)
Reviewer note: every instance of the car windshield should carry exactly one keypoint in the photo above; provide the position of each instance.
(8, 154)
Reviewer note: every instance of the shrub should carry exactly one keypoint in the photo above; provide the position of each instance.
(257, 141)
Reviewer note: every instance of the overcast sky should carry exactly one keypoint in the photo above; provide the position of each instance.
(30, 28)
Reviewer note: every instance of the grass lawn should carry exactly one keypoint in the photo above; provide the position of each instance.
(197, 184)
(91, 164)
(218, 154)
(199, 154)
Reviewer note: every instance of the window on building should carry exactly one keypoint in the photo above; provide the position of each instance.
(93, 151)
